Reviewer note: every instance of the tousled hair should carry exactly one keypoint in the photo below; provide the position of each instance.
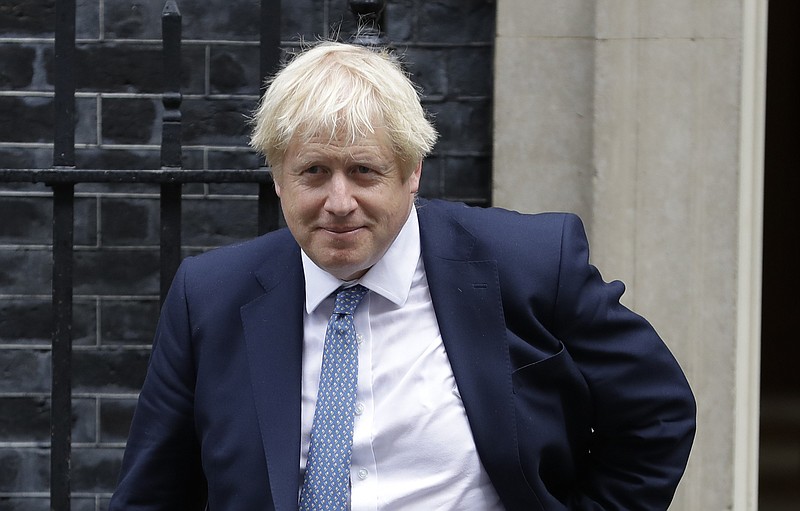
(344, 92)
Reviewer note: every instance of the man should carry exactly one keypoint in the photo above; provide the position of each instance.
(490, 365)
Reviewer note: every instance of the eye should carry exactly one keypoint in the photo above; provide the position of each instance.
(313, 170)
(361, 169)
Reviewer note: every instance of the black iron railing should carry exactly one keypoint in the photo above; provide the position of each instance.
(63, 176)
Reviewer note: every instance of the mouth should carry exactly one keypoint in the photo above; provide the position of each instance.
(341, 230)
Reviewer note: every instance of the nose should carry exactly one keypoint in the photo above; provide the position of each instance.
(340, 200)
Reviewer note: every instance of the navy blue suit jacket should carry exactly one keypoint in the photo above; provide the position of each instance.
(573, 400)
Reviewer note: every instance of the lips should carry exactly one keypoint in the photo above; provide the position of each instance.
(341, 229)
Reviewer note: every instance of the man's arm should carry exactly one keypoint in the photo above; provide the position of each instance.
(161, 468)
(644, 411)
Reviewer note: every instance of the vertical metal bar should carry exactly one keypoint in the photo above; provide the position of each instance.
(171, 151)
(61, 390)
(64, 100)
(171, 97)
(268, 204)
(270, 39)
(63, 222)
(170, 234)
(268, 208)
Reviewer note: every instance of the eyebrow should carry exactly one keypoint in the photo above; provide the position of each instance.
(358, 156)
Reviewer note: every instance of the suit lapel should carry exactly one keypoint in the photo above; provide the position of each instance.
(468, 305)
(273, 328)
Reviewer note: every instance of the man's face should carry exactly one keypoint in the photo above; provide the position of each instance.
(345, 202)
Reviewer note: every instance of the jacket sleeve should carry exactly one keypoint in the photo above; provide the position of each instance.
(161, 468)
(643, 416)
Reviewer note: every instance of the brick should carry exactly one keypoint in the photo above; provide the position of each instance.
(95, 470)
(84, 420)
(122, 159)
(29, 221)
(400, 21)
(462, 125)
(27, 419)
(194, 159)
(468, 177)
(128, 272)
(27, 18)
(82, 504)
(24, 469)
(130, 221)
(130, 67)
(24, 158)
(430, 186)
(219, 222)
(17, 70)
(24, 419)
(139, 19)
(26, 220)
(217, 121)
(301, 20)
(220, 159)
(457, 21)
(237, 20)
(128, 321)
(115, 419)
(87, 19)
(24, 119)
(29, 320)
(85, 221)
(25, 271)
(109, 370)
(85, 121)
(234, 70)
(36, 18)
(249, 189)
(24, 370)
(131, 121)
(194, 190)
(469, 71)
(24, 504)
(426, 69)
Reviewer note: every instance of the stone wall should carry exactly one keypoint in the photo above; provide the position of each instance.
(448, 46)
(646, 117)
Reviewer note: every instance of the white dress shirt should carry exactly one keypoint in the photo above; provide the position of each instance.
(412, 444)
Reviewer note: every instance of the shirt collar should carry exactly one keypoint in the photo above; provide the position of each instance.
(390, 277)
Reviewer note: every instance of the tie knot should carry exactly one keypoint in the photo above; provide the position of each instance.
(348, 299)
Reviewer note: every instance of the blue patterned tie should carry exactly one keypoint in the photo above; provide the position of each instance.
(327, 481)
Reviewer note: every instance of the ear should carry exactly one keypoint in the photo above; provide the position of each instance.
(276, 183)
(413, 179)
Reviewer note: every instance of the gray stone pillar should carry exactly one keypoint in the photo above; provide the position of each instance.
(646, 118)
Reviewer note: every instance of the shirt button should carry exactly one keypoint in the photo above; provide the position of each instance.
(363, 473)
(359, 408)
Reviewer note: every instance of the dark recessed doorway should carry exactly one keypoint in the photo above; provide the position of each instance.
(779, 465)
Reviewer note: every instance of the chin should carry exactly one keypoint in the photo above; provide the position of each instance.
(347, 271)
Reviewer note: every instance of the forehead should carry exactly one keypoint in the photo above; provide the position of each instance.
(370, 145)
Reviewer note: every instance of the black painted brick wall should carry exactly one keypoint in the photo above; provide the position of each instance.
(448, 46)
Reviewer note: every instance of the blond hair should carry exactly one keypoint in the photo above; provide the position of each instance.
(347, 92)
